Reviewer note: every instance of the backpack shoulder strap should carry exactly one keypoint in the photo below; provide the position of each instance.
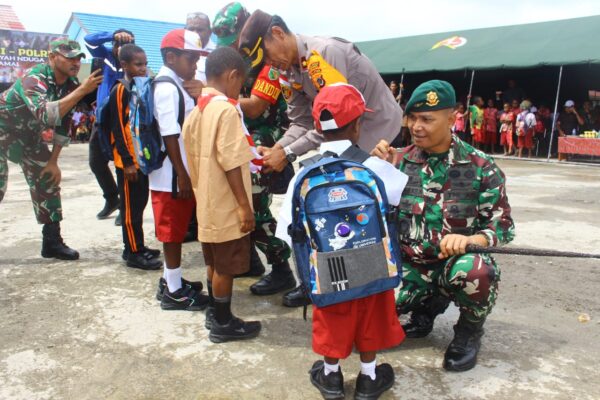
(307, 162)
(356, 154)
(181, 114)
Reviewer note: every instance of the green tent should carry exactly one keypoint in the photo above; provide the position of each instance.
(563, 42)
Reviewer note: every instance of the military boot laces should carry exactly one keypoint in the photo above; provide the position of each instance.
(53, 245)
(461, 354)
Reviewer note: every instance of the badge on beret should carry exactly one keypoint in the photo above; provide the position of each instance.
(432, 99)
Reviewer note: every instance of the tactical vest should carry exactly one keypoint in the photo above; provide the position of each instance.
(460, 201)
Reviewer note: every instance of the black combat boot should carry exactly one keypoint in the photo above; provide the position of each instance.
(421, 319)
(280, 279)
(461, 354)
(53, 245)
(257, 267)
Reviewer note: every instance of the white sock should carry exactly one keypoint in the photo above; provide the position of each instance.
(368, 368)
(329, 368)
(165, 270)
(173, 279)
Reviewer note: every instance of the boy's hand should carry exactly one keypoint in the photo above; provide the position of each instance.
(246, 218)
(193, 87)
(384, 151)
(131, 173)
(184, 184)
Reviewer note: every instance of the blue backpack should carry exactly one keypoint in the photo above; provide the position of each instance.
(147, 141)
(343, 230)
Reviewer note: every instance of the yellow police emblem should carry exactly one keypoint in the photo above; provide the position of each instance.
(432, 99)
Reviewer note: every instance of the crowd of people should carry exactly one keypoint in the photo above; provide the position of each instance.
(235, 104)
(511, 123)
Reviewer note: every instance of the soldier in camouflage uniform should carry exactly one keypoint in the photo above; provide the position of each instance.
(265, 116)
(455, 196)
(43, 98)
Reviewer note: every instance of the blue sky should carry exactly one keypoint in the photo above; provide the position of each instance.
(351, 19)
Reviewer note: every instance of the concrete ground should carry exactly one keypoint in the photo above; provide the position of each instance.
(92, 329)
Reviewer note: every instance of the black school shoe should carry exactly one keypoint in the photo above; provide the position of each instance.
(210, 317)
(369, 389)
(162, 286)
(143, 261)
(331, 386)
(296, 298)
(235, 329)
(109, 207)
(184, 299)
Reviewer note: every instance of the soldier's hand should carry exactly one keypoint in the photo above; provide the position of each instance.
(247, 220)
(92, 82)
(185, 186)
(193, 87)
(454, 245)
(131, 173)
(384, 151)
(51, 173)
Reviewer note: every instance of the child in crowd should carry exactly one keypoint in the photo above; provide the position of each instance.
(477, 122)
(219, 157)
(525, 126)
(507, 125)
(370, 324)
(132, 184)
(460, 123)
(173, 201)
(490, 115)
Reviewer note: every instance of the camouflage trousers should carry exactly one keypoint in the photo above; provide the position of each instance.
(470, 281)
(45, 196)
(276, 250)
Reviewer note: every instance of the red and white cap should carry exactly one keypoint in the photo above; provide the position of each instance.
(182, 39)
(344, 102)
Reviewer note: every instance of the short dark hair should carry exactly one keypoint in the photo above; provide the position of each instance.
(128, 51)
(223, 59)
(164, 51)
(276, 20)
(477, 98)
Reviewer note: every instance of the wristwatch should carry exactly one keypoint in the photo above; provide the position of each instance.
(289, 154)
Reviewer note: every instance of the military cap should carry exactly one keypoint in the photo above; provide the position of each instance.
(252, 37)
(431, 96)
(228, 23)
(67, 48)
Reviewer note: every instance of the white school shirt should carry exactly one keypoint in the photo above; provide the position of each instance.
(166, 112)
(393, 179)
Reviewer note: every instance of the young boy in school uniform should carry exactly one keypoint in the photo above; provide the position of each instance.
(370, 324)
(131, 182)
(219, 154)
(172, 197)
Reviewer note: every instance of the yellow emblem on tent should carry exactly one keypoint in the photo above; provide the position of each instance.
(451, 43)
(432, 99)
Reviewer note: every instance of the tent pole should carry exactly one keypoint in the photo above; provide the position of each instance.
(555, 111)
(470, 89)
(401, 87)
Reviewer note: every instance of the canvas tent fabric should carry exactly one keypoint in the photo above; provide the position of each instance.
(563, 42)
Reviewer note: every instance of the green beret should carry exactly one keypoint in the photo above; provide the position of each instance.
(431, 96)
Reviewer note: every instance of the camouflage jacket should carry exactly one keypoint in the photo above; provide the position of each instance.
(461, 191)
(31, 105)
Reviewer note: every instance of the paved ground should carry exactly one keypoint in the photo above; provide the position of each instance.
(92, 329)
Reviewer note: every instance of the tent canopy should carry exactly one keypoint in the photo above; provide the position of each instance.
(563, 42)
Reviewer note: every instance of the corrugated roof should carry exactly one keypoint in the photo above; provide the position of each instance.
(148, 34)
(562, 42)
(9, 19)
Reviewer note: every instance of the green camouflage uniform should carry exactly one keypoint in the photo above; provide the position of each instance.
(27, 108)
(266, 130)
(462, 192)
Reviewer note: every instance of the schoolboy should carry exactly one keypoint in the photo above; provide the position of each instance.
(370, 324)
(219, 156)
(131, 182)
(172, 198)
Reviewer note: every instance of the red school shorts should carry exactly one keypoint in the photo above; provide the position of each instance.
(370, 324)
(171, 216)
